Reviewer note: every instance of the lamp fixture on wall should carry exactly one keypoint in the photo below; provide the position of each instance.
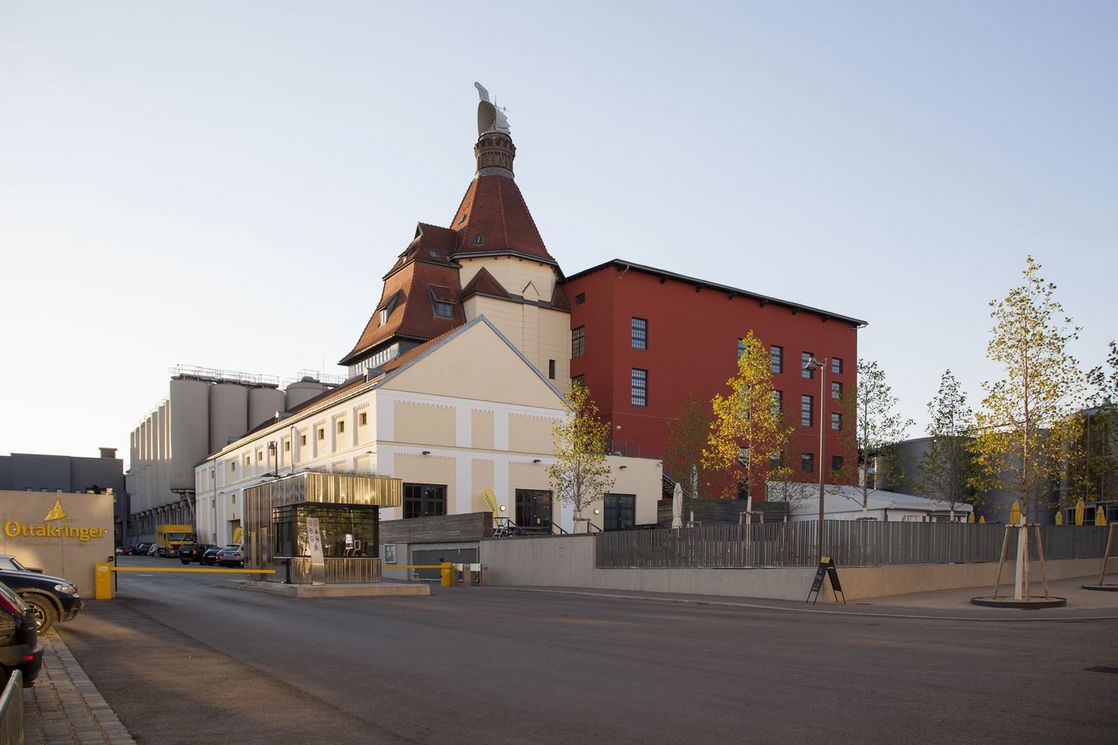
(503, 508)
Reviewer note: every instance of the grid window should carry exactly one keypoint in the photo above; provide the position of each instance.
(444, 310)
(806, 406)
(248, 460)
(805, 371)
(638, 331)
(836, 365)
(580, 298)
(807, 462)
(638, 387)
(836, 391)
(287, 446)
(741, 348)
(743, 457)
(776, 460)
(778, 402)
(836, 422)
(776, 357)
(579, 380)
(836, 463)
(578, 341)
(424, 500)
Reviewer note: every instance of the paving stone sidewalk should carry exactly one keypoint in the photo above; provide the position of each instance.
(64, 707)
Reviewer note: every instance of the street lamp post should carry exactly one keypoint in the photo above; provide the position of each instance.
(812, 365)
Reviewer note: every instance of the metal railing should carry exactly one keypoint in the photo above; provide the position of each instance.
(850, 543)
(11, 710)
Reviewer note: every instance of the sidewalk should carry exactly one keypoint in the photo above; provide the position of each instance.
(64, 708)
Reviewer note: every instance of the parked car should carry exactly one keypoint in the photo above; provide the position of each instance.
(53, 599)
(19, 639)
(153, 549)
(142, 548)
(7, 561)
(189, 552)
(126, 550)
(209, 558)
(231, 556)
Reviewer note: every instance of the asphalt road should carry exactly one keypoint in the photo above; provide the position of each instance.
(185, 659)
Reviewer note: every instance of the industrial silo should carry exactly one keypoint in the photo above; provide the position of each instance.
(190, 433)
(228, 413)
(263, 403)
(302, 391)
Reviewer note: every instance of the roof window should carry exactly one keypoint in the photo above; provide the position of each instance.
(479, 239)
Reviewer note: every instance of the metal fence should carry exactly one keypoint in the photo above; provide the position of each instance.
(850, 543)
(11, 710)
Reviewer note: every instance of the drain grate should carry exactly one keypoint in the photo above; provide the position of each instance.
(1101, 669)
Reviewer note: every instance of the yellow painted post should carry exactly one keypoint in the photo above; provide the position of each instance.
(1100, 515)
(102, 581)
(447, 573)
(1059, 518)
(1079, 510)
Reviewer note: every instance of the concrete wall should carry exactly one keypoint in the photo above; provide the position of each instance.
(56, 545)
(569, 562)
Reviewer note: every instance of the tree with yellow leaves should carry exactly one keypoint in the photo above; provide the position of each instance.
(580, 475)
(1027, 428)
(748, 430)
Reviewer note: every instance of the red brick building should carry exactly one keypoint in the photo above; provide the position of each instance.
(644, 339)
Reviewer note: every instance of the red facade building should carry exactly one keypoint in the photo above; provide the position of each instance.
(644, 339)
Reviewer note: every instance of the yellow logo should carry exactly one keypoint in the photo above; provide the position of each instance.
(56, 512)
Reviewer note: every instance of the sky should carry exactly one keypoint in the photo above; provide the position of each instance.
(223, 184)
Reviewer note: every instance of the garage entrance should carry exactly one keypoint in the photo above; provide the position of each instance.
(439, 555)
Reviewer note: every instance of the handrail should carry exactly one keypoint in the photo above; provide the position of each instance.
(11, 709)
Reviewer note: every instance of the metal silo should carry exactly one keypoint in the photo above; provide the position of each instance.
(302, 391)
(263, 403)
(190, 432)
(228, 413)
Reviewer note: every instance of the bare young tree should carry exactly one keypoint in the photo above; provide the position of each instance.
(946, 469)
(877, 425)
(683, 452)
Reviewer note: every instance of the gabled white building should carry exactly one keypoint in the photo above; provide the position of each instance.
(845, 503)
(463, 414)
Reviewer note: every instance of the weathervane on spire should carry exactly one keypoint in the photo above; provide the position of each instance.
(489, 117)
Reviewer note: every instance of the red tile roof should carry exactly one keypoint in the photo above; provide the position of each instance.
(493, 219)
(484, 283)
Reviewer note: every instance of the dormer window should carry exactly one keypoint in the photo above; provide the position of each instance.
(444, 310)
(462, 219)
(479, 239)
(384, 316)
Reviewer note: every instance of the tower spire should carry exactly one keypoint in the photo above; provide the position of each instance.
(494, 149)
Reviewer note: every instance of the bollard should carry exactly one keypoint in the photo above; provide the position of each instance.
(447, 573)
(102, 581)
(467, 575)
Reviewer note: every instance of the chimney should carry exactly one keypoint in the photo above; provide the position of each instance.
(108, 453)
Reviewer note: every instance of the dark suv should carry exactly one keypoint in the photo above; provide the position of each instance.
(53, 599)
(19, 639)
(189, 552)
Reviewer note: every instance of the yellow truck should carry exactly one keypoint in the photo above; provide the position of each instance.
(170, 536)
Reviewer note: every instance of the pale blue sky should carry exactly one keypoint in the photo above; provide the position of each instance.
(223, 184)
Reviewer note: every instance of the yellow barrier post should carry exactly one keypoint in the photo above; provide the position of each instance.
(447, 573)
(102, 581)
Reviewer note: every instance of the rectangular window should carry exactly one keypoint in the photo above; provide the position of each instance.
(836, 422)
(807, 462)
(424, 500)
(578, 341)
(322, 433)
(444, 310)
(302, 439)
(341, 426)
(384, 317)
(805, 411)
(638, 387)
(778, 402)
(836, 463)
(551, 369)
(579, 380)
(836, 365)
(363, 418)
(776, 358)
(741, 348)
(638, 332)
(580, 298)
(776, 460)
(248, 460)
(287, 446)
(743, 457)
(836, 391)
(805, 371)
(232, 465)
(259, 456)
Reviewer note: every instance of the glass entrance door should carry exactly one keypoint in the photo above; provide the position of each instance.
(620, 511)
(533, 509)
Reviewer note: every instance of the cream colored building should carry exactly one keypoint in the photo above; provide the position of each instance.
(464, 413)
